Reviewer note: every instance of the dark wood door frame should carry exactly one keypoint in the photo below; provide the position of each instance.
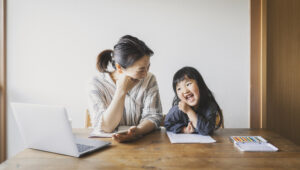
(258, 66)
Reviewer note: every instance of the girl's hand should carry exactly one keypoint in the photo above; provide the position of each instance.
(125, 137)
(126, 83)
(184, 107)
(189, 111)
(189, 128)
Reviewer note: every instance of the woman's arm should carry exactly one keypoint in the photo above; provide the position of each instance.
(145, 127)
(112, 116)
(152, 109)
(151, 114)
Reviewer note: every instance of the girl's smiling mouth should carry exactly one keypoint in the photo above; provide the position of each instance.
(189, 97)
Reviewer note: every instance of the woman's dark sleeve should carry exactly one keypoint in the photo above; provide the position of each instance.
(207, 121)
(174, 120)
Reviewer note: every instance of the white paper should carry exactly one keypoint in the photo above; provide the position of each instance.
(189, 138)
(100, 134)
(256, 147)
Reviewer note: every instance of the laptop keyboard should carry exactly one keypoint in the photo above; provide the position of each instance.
(82, 148)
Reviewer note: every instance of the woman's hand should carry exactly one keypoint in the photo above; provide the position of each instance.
(125, 137)
(188, 129)
(125, 83)
(184, 107)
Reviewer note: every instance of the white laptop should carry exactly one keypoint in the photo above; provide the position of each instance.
(47, 128)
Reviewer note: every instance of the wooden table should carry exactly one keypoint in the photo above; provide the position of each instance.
(154, 151)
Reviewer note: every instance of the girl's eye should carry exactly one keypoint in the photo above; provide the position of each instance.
(178, 89)
(188, 84)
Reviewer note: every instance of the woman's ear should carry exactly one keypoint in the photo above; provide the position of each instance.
(119, 68)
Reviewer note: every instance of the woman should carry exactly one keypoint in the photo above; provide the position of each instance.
(128, 95)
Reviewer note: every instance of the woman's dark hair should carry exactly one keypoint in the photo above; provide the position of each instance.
(206, 95)
(128, 50)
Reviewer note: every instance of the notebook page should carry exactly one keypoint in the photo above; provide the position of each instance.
(189, 138)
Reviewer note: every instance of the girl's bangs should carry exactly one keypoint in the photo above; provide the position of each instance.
(181, 76)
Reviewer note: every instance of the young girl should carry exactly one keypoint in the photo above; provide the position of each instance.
(194, 106)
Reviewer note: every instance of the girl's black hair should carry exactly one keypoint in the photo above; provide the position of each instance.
(206, 95)
(128, 50)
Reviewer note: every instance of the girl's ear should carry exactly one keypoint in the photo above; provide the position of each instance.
(119, 68)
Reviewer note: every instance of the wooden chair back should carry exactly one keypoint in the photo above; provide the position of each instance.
(218, 119)
(88, 123)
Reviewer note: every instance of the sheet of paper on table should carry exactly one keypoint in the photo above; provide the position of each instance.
(189, 138)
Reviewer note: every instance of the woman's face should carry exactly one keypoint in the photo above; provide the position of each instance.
(187, 91)
(139, 69)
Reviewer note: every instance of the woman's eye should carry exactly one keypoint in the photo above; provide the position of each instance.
(188, 84)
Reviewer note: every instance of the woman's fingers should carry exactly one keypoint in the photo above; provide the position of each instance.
(132, 82)
(132, 130)
(126, 83)
(116, 138)
(123, 137)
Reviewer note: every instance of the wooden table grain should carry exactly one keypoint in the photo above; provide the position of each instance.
(154, 151)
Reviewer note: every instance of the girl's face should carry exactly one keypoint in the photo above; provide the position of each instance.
(187, 91)
(139, 69)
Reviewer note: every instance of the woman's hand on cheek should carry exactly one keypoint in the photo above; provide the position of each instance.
(126, 83)
(184, 107)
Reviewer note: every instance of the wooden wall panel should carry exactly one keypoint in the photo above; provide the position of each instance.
(283, 68)
(255, 51)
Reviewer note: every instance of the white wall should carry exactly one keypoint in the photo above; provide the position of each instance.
(53, 45)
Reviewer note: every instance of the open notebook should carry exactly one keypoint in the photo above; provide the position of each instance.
(252, 143)
(101, 134)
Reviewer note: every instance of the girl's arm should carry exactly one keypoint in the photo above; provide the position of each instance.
(203, 124)
(174, 120)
